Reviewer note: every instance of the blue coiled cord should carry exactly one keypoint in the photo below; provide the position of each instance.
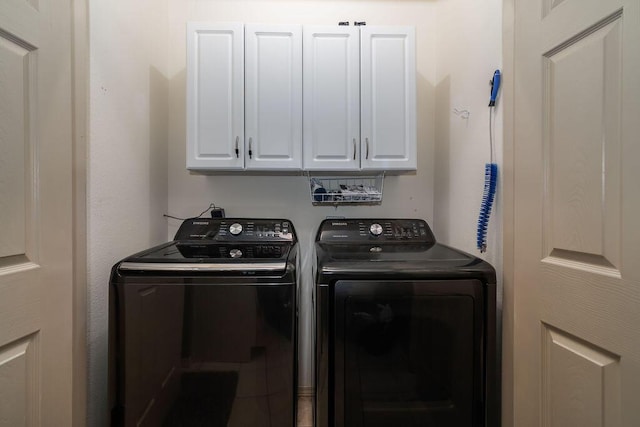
(490, 174)
(490, 184)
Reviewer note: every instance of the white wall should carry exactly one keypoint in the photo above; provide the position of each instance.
(288, 196)
(127, 188)
(469, 50)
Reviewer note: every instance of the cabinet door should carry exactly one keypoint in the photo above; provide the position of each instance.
(273, 98)
(388, 97)
(215, 96)
(331, 115)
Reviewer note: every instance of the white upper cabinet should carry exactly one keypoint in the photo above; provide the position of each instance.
(331, 98)
(388, 98)
(273, 96)
(245, 104)
(359, 98)
(215, 96)
(244, 96)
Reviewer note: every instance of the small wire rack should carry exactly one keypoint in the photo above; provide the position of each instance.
(346, 190)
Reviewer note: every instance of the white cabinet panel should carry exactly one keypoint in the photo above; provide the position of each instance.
(273, 98)
(388, 97)
(331, 98)
(245, 104)
(359, 98)
(215, 95)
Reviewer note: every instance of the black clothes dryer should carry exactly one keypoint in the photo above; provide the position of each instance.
(405, 329)
(203, 328)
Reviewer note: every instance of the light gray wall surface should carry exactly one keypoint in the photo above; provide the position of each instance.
(468, 51)
(127, 165)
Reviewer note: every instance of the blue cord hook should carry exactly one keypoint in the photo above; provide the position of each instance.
(495, 86)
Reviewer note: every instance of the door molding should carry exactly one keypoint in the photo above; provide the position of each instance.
(508, 191)
(80, 116)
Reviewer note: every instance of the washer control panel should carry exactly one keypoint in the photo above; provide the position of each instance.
(236, 230)
(374, 229)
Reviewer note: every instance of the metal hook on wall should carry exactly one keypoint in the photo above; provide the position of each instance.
(463, 114)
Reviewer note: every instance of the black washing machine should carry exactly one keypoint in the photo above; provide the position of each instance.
(203, 328)
(405, 329)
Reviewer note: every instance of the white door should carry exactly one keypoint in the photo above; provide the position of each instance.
(215, 95)
(388, 97)
(576, 255)
(273, 96)
(331, 111)
(36, 232)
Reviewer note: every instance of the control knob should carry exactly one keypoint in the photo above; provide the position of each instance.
(235, 253)
(375, 229)
(235, 228)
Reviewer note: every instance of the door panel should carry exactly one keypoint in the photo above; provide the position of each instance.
(581, 382)
(36, 251)
(388, 97)
(14, 163)
(576, 287)
(331, 98)
(18, 90)
(273, 108)
(215, 95)
(20, 388)
(582, 146)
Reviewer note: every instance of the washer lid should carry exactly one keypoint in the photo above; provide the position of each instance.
(406, 261)
(199, 256)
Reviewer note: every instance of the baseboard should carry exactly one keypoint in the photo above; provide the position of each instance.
(305, 391)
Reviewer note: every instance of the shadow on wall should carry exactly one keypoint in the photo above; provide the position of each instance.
(425, 118)
(442, 180)
(158, 154)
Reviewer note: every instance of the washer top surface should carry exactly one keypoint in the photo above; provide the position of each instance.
(221, 246)
(405, 249)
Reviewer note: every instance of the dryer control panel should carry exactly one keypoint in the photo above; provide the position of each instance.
(236, 230)
(374, 229)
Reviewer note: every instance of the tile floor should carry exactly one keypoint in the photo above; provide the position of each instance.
(305, 411)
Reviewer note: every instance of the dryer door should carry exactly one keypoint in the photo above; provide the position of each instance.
(409, 353)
